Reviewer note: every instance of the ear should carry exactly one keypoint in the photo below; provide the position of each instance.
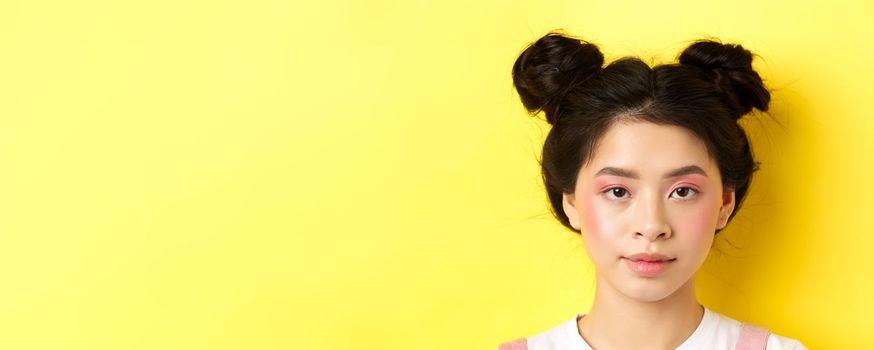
(726, 208)
(568, 203)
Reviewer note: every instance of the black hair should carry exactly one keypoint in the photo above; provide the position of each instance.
(711, 87)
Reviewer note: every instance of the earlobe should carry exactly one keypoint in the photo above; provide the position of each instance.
(569, 205)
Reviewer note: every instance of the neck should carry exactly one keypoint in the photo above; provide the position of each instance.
(615, 315)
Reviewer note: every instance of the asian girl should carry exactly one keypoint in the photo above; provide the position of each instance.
(648, 165)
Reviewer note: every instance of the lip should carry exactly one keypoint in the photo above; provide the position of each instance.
(652, 257)
(648, 264)
(648, 268)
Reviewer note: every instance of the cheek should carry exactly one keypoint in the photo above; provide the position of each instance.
(599, 229)
(597, 219)
(700, 222)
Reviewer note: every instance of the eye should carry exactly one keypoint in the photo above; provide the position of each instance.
(685, 193)
(616, 192)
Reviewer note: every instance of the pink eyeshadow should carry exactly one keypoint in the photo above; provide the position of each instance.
(605, 182)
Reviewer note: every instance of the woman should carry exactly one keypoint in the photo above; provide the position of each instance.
(647, 164)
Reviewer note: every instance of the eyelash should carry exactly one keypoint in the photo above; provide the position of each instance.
(688, 197)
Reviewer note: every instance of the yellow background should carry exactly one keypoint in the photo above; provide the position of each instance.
(329, 175)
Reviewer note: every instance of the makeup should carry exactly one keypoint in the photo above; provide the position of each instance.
(648, 268)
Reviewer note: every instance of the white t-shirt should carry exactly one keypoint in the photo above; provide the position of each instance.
(715, 332)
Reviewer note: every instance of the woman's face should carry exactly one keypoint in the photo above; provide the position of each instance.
(648, 189)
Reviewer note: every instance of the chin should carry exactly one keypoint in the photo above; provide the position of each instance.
(650, 295)
(650, 290)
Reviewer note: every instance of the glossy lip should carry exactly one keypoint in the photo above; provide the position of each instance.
(648, 257)
(648, 268)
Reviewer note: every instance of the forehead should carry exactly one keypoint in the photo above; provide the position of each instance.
(649, 148)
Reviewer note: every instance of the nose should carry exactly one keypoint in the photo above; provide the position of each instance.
(650, 220)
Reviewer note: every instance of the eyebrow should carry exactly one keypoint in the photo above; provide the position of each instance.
(686, 170)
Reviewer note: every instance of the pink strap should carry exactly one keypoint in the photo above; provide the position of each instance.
(518, 344)
(752, 337)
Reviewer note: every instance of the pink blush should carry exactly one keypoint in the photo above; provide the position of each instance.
(591, 214)
(702, 219)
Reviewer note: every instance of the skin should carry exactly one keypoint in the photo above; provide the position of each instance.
(620, 216)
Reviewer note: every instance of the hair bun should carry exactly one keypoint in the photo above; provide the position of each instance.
(550, 67)
(729, 67)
